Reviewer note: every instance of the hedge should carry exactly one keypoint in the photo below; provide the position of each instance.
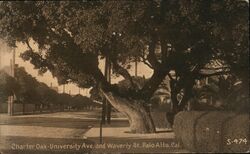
(212, 131)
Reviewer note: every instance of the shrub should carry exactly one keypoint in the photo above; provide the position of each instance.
(212, 131)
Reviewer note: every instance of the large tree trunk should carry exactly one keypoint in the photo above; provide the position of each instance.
(179, 105)
(140, 120)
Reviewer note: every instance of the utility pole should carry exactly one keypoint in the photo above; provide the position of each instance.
(104, 102)
(109, 107)
(0, 59)
(10, 98)
(12, 73)
(14, 61)
(106, 106)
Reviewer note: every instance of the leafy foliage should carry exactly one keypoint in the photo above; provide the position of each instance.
(27, 92)
(80, 101)
(8, 86)
(72, 35)
(46, 95)
(225, 92)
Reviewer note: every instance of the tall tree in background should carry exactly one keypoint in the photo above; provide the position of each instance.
(8, 86)
(47, 96)
(27, 92)
(26, 88)
(72, 35)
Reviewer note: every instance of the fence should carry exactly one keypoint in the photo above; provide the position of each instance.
(18, 108)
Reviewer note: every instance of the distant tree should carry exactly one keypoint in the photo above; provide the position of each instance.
(8, 86)
(26, 89)
(64, 100)
(47, 96)
(28, 84)
(80, 102)
(178, 36)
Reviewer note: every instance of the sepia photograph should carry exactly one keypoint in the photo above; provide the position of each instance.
(124, 76)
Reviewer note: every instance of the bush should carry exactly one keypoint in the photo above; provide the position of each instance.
(212, 131)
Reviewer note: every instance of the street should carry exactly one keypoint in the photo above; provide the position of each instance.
(78, 132)
(47, 132)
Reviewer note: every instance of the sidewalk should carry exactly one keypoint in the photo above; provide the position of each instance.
(123, 132)
(118, 140)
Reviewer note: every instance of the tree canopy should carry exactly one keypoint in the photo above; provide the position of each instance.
(186, 37)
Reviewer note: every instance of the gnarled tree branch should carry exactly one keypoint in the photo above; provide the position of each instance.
(122, 71)
(213, 74)
(144, 60)
(152, 56)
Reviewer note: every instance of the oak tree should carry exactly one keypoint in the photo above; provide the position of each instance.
(182, 37)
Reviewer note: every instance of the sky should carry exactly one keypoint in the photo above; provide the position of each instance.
(47, 78)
